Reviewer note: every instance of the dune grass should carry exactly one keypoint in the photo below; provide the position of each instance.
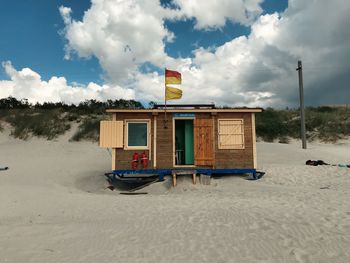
(41, 123)
(89, 128)
(327, 124)
(49, 120)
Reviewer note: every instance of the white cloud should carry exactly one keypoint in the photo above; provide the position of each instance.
(126, 34)
(66, 14)
(214, 14)
(257, 70)
(27, 84)
(253, 70)
(121, 34)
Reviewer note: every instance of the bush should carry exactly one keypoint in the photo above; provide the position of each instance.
(72, 116)
(88, 130)
(270, 125)
(284, 139)
(328, 124)
(13, 103)
(50, 120)
(48, 124)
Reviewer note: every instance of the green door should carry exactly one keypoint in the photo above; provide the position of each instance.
(189, 145)
(184, 142)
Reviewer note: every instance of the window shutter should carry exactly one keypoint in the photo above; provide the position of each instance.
(111, 134)
(231, 134)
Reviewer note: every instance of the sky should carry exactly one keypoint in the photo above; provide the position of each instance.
(229, 52)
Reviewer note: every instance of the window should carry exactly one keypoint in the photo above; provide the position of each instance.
(137, 134)
(231, 134)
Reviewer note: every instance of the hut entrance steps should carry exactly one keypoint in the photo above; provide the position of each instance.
(204, 178)
(184, 172)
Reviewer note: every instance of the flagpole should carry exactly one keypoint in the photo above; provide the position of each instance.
(165, 120)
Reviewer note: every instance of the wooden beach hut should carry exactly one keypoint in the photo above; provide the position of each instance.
(202, 139)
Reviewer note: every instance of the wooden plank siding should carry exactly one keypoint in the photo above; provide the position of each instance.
(124, 156)
(235, 158)
(111, 134)
(203, 142)
(223, 158)
(165, 150)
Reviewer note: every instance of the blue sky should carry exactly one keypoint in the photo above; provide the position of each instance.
(254, 47)
(31, 37)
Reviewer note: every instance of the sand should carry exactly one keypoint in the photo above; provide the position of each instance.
(54, 208)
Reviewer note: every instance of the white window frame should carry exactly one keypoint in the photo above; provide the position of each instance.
(233, 147)
(126, 144)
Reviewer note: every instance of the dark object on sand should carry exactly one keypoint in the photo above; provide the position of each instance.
(130, 183)
(257, 176)
(131, 193)
(110, 187)
(315, 163)
(320, 162)
(4, 168)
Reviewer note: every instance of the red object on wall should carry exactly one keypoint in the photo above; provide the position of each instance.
(144, 160)
(135, 160)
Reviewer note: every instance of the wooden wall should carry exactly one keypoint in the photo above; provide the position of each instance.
(124, 157)
(223, 158)
(240, 158)
(164, 141)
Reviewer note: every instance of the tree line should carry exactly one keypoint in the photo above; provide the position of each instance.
(87, 106)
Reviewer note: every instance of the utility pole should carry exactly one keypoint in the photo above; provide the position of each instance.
(302, 107)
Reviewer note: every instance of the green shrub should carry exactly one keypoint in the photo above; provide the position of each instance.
(325, 109)
(42, 123)
(88, 130)
(72, 116)
(271, 124)
(49, 120)
(13, 103)
(328, 124)
(284, 139)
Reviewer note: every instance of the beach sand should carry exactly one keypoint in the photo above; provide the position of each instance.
(54, 208)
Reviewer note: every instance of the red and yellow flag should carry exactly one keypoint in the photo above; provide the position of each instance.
(172, 77)
(172, 93)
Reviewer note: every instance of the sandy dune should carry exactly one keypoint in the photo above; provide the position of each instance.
(54, 208)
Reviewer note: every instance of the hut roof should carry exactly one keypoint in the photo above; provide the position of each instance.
(170, 109)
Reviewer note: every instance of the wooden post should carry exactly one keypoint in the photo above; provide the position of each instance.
(214, 139)
(165, 119)
(255, 165)
(155, 141)
(114, 150)
(194, 177)
(114, 156)
(174, 179)
(302, 107)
